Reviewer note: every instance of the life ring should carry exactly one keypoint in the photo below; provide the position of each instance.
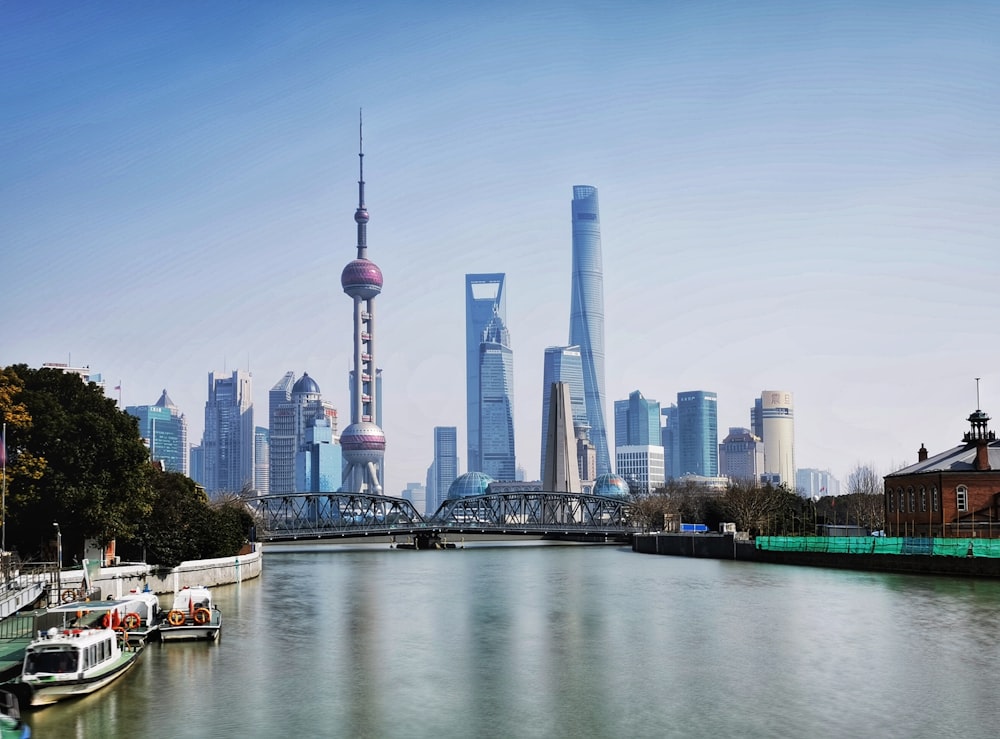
(202, 616)
(175, 618)
(68, 596)
(106, 620)
(132, 621)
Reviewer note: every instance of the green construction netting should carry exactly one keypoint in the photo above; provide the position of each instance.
(881, 545)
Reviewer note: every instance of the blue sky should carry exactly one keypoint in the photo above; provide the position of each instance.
(796, 196)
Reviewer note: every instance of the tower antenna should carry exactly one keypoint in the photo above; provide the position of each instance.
(978, 406)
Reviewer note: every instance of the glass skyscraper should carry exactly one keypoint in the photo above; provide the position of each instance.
(562, 364)
(698, 433)
(637, 421)
(228, 443)
(496, 403)
(445, 467)
(164, 428)
(485, 299)
(586, 317)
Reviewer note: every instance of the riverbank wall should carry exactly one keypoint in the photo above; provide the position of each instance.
(117, 581)
(727, 546)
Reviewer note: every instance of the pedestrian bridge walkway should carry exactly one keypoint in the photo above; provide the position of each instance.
(357, 515)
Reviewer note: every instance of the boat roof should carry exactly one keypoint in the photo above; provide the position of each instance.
(69, 637)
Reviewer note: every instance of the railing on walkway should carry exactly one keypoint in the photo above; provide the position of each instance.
(963, 547)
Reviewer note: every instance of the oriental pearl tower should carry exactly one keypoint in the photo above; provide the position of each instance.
(363, 443)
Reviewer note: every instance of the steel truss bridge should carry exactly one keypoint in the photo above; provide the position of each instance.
(569, 516)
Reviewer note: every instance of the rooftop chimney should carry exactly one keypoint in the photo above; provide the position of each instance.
(922, 453)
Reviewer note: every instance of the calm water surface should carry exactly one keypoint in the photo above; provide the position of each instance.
(564, 642)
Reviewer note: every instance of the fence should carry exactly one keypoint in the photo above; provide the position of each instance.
(963, 547)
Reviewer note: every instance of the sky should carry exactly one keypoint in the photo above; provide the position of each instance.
(794, 196)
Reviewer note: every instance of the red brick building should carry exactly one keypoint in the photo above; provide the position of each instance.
(954, 493)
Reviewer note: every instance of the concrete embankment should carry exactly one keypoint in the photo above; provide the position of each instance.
(116, 581)
(726, 546)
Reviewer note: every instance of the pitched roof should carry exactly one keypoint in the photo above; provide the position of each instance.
(958, 459)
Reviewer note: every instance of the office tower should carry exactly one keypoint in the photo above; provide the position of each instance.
(444, 469)
(261, 461)
(586, 317)
(228, 443)
(319, 461)
(164, 428)
(586, 459)
(776, 417)
(196, 464)
(670, 441)
(698, 433)
(417, 495)
(363, 442)
(741, 455)
(637, 421)
(641, 466)
(295, 405)
(496, 402)
(563, 364)
(561, 473)
(485, 299)
(811, 482)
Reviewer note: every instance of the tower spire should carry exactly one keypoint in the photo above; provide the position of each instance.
(361, 215)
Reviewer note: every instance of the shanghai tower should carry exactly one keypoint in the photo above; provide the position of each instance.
(363, 443)
(586, 316)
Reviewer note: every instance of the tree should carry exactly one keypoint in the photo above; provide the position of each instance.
(865, 500)
(753, 507)
(73, 457)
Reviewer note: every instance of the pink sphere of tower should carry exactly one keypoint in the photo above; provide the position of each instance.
(362, 443)
(361, 278)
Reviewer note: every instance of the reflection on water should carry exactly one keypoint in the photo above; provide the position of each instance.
(564, 642)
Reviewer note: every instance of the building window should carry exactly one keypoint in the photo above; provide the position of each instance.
(923, 499)
(890, 499)
(912, 500)
(899, 494)
(934, 498)
(962, 498)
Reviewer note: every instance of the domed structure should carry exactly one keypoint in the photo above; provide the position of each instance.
(610, 485)
(361, 278)
(305, 385)
(362, 443)
(469, 485)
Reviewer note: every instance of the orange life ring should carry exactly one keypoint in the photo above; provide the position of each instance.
(176, 618)
(132, 621)
(68, 595)
(202, 616)
(106, 620)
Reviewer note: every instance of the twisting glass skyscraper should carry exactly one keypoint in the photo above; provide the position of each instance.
(586, 317)
(363, 442)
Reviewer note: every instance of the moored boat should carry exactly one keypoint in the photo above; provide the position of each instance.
(137, 614)
(68, 663)
(192, 616)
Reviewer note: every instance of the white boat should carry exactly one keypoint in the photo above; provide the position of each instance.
(67, 663)
(137, 614)
(192, 616)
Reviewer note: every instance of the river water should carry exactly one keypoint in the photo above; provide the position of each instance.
(567, 641)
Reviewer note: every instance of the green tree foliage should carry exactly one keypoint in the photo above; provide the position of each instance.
(74, 458)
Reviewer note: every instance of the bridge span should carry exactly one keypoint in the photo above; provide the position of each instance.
(302, 517)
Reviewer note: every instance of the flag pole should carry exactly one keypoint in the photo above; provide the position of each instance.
(3, 499)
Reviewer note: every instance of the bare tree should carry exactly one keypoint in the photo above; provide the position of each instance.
(865, 500)
(751, 504)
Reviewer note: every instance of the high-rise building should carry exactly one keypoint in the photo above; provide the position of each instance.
(363, 442)
(640, 466)
(741, 455)
(444, 469)
(228, 443)
(261, 461)
(775, 415)
(698, 433)
(485, 300)
(319, 462)
(810, 483)
(164, 428)
(295, 406)
(417, 495)
(563, 364)
(637, 421)
(586, 316)
(496, 402)
(670, 440)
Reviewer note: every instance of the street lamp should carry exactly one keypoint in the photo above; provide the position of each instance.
(58, 562)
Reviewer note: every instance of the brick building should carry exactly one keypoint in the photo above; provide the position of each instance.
(954, 493)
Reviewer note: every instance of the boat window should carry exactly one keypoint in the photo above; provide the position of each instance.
(52, 662)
